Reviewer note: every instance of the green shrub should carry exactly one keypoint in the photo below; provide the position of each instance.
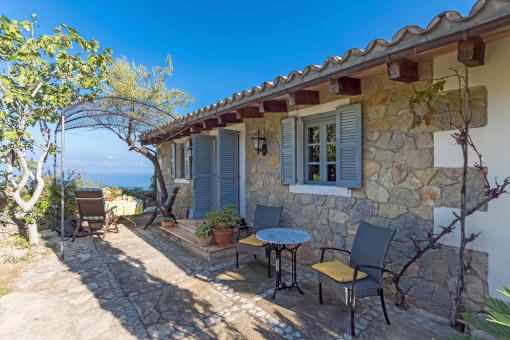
(223, 220)
(497, 323)
(204, 230)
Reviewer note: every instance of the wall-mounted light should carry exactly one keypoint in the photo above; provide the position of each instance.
(259, 143)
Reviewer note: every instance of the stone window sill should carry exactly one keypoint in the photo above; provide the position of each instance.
(181, 180)
(320, 190)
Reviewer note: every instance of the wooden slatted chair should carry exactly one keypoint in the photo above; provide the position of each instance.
(265, 217)
(91, 208)
(165, 208)
(364, 275)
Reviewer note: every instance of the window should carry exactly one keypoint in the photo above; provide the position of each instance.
(331, 147)
(180, 160)
(320, 152)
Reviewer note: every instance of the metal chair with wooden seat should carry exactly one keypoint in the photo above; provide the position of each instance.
(265, 217)
(364, 275)
(164, 208)
(91, 209)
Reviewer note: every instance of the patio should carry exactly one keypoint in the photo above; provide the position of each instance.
(141, 284)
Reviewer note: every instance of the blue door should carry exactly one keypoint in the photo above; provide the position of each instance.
(202, 153)
(228, 168)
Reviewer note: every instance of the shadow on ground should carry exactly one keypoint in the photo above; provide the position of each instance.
(140, 284)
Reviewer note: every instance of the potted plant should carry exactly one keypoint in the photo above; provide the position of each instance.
(223, 224)
(204, 235)
(167, 222)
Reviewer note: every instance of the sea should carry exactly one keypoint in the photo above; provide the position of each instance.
(124, 180)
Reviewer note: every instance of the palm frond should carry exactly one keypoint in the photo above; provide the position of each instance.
(498, 306)
(460, 336)
(498, 330)
(505, 291)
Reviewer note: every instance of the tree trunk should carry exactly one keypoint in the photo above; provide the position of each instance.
(459, 326)
(159, 175)
(33, 235)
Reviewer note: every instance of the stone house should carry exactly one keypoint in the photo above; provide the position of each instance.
(342, 148)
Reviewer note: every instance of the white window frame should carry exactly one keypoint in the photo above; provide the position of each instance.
(321, 121)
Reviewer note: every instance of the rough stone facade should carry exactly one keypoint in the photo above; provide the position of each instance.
(184, 198)
(400, 188)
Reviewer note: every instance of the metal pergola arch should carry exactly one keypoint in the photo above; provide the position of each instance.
(103, 112)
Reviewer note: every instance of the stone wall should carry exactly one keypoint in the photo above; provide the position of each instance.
(400, 189)
(184, 199)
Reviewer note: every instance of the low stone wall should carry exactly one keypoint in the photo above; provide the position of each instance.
(400, 189)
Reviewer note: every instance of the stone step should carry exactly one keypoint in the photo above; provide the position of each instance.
(189, 224)
(187, 240)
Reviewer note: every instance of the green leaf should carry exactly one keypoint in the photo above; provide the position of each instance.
(490, 327)
(26, 25)
(498, 306)
(10, 134)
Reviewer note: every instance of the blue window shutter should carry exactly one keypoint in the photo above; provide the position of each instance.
(173, 167)
(202, 175)
(187, 159)
(228, 168)
(349, 146)
(288, 150)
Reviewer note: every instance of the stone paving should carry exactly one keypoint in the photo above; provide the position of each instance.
(140, 284)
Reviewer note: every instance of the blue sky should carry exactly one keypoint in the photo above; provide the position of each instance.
(218, 47)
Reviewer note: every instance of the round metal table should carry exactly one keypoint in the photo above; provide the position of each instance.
(279, 239)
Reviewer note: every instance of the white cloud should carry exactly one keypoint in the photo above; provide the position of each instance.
(73, 161)
(142, 164)
(110, 157)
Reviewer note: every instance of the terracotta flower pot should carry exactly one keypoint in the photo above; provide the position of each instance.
(204, 241)
(170, 224)
(223, 237)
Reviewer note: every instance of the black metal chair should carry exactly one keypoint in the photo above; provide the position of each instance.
(265, 217)
(164, 208)
(364, 275)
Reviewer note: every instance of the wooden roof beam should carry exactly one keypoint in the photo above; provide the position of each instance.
(212, 123)
(249, 112)
(230, 118)
(184, 133)
(346, 86)
(471, 52)
(403, 70)
(197, 128)
(273, 106)
(304, 97)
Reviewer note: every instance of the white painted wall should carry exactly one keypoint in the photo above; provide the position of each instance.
(493, 141)
(242, 163)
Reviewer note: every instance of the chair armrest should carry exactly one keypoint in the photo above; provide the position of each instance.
(323, 250)
(242, 227)
(370, 267)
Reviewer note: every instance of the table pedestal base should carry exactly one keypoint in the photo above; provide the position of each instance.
(280, 284)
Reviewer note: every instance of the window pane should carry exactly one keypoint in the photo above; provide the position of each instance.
(331, 129)
(313, 173)
(314, 153)
(331, 173)
(331, 151)
(314, 134)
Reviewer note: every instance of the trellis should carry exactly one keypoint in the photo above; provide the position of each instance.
(121, 114)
